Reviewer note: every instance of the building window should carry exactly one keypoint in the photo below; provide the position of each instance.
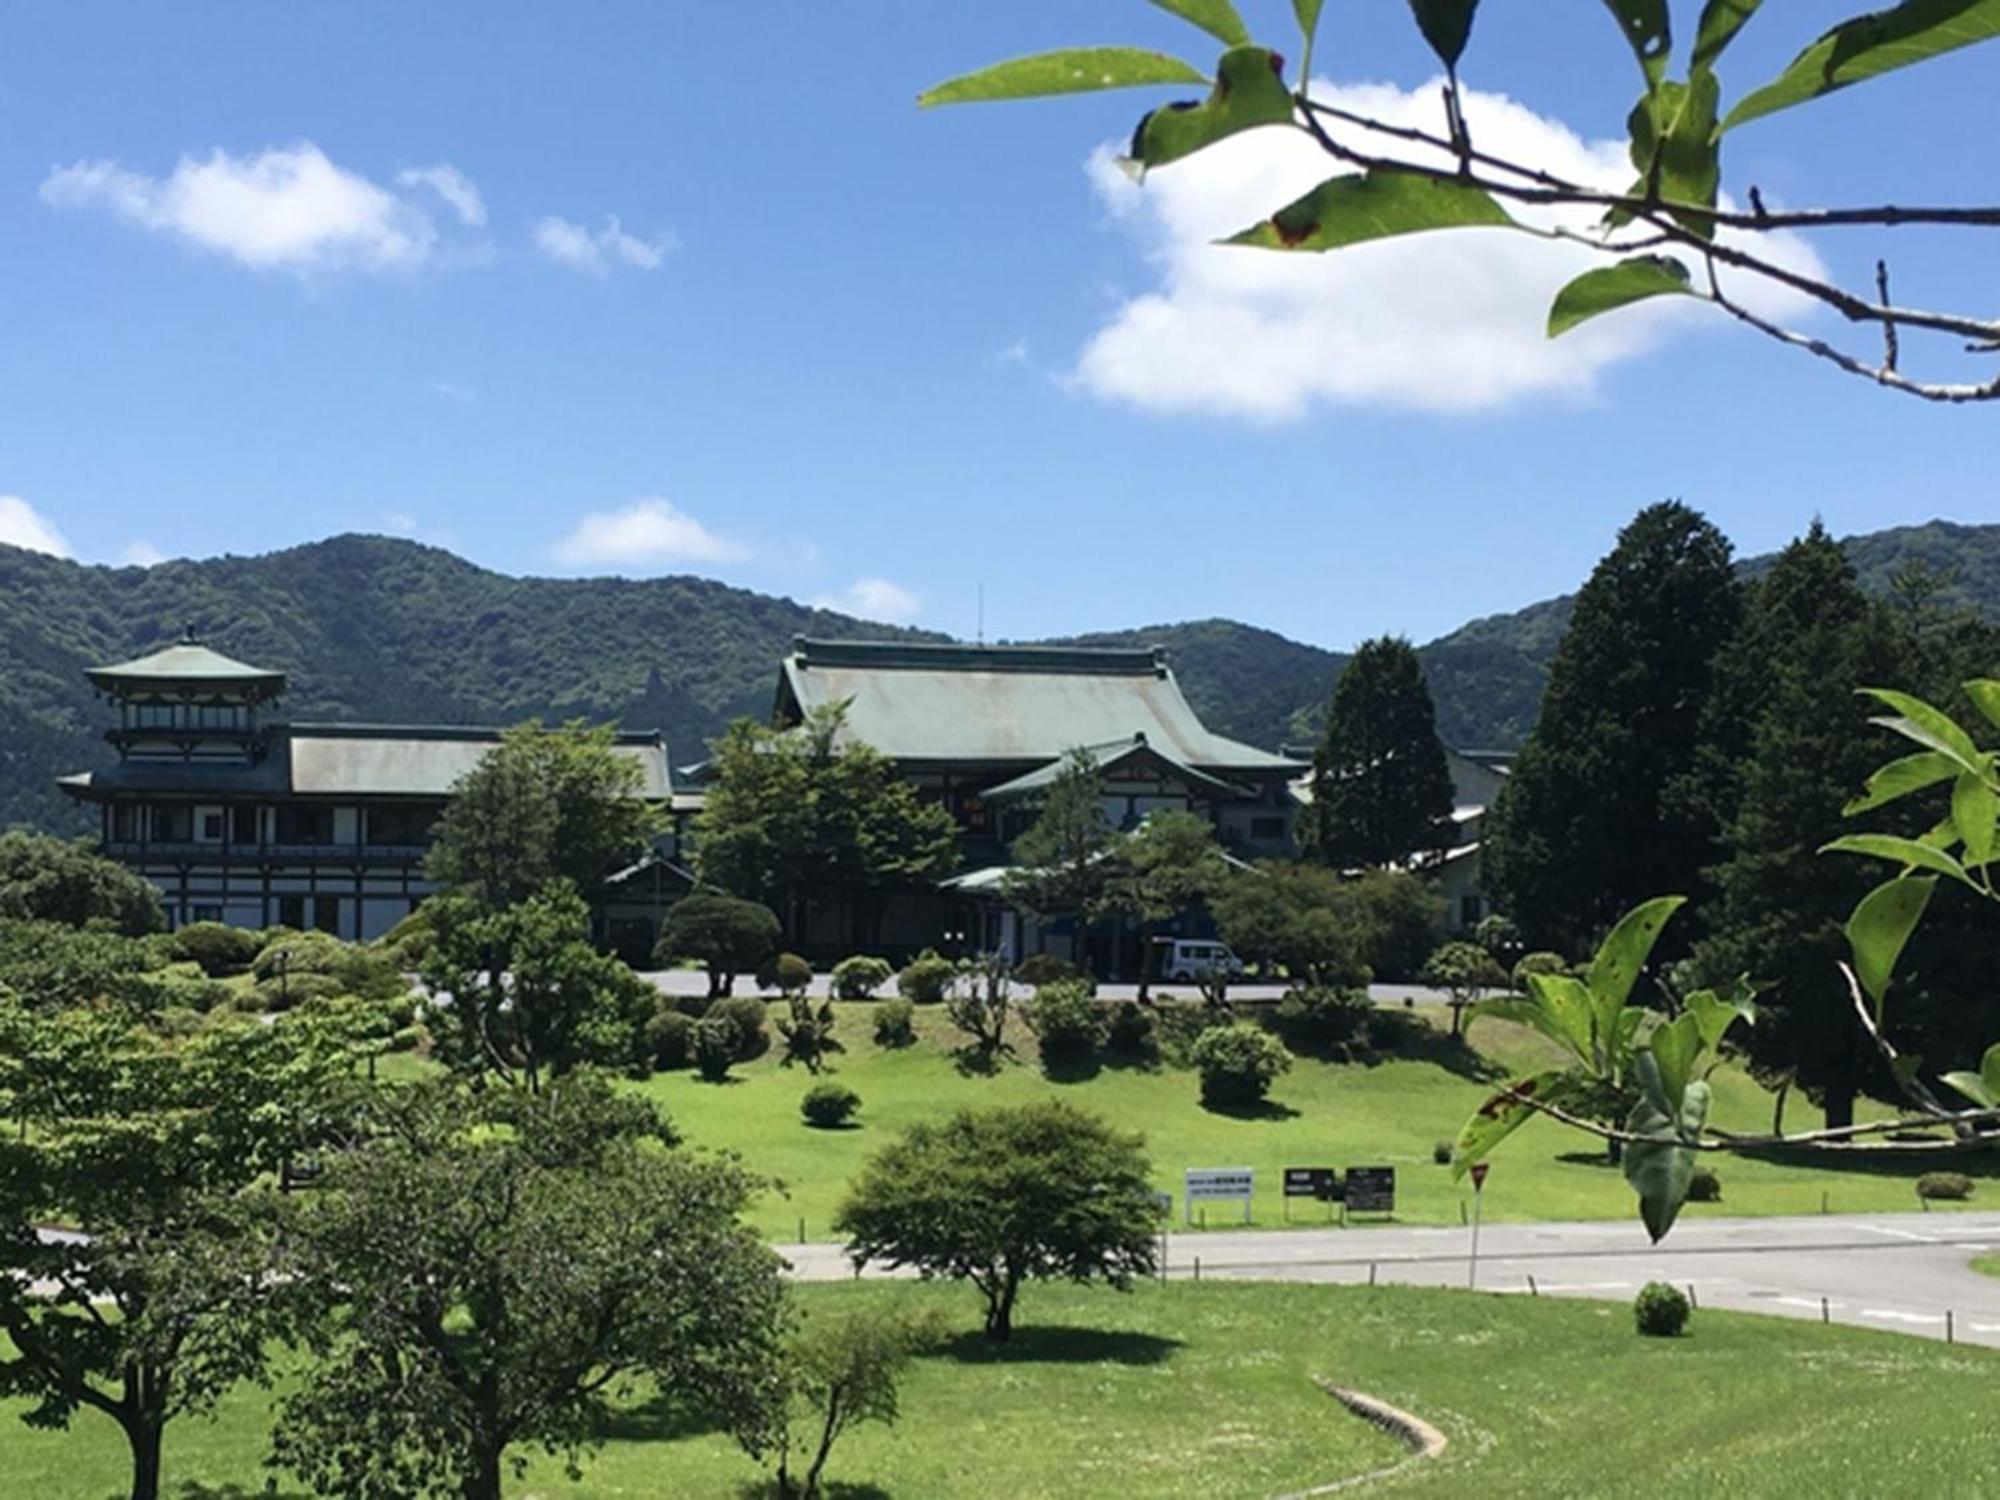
(393, 823)
(125, 823)
(305, 823)
(243, 825)
(292, 912)
(1267, 830)
(172, 825)
(208, 825)
(1470, 910)
(326, 914)
(207, 913)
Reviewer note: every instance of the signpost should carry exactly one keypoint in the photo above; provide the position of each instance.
(1478, 1197)
(1218, 1185)
(1322, 1183)
(1371, 1190)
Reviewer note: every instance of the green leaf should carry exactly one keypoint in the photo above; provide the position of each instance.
(1899, 778)
(1720, 21)
(1308, 13)
(1446, 25)
(1503, 1114)
(1624, 952)
(1985, 695)
(1353, 208)
(1983, 1087)
(1661, 1167)
(1879, 927)
(1926, 725)
(1649, 30)
(1675, 148)
(1910, 853)
(1869, 46)
(1974, 811)
(1609, 287)
(1676, 1049)
(1249, 91)
(1216, 17)
(1078, 70)
(1714, 1015)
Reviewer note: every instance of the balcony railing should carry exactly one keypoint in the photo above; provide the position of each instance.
(270, 853)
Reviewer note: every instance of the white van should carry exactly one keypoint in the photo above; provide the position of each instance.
(1193, 959)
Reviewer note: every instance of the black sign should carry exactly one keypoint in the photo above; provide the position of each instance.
(1322, 1183)
(1371, 1190)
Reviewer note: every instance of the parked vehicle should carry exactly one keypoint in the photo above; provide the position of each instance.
(1193, 959)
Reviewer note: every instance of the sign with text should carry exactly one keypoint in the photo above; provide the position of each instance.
(1219, 1185)
(1371, 1190)
(1312, 1182)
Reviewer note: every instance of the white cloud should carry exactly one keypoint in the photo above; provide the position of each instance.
(1449, 321)
(283, 209)
(21, 525)
(464, 395)
(451, 185)
(141, 554)
(873, 599)
(646, 531)
(399, 523)
(574, 246)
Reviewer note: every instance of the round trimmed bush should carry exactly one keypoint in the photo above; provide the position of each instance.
(745, 1015)
(1441, 1153)
(1066, 1020)
(669, 1039)
(1038, 969)
(1944, 1187)
(827, 1105)
(785, 972)
(1317, 1019)
(1130, 1030)
(221, 950)
(1238, 1063)
(859, 977)
(895, 1023)
(1660, 1311)
(925, 978)
(714, 1044)
(1705, 1186)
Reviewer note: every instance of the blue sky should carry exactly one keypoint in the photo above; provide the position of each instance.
(667, 287)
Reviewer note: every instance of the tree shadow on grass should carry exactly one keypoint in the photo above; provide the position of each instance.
(1128, 1060)
(975, 1061)
(194, 1489)
(1072, 1069)
(1036, 1344)
(654, 1420)
(1262, 1109)
(832, 1489)
(1598, 1158)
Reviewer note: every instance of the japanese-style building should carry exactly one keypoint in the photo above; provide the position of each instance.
(985, 729)
(244, 820)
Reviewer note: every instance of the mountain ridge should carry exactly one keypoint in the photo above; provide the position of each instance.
(681, 653)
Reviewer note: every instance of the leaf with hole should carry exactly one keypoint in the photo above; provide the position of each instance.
(1869, 46)
(1899, 778)
(1505, 1113)
(1649, 30)
(1611, 287)
(1249, 91)
(1660, 1168)
(1216, 17)
(1974, 811)
(1354, 208)
(1077, 70)
(1623, 954)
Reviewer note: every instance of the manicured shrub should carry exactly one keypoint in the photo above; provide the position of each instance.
(1705, 1186)
(1316, 1020)
(715, 1042)
(925, 978)
(283, 991)
(1389, 1030)
(1130, 1029)
(1179, 1024)
(669, 1039)
(828, 1105)
(1066, 1020)
(786, 973)
(745, 1015)
(1540, 962)
(1038, 969)
(1944, 1187)
(1661, 1311)
(178, 986)
(895, 1023)
(221, 950)
(722, 933)
(859, 977)
(1441, 1153)
(1238, 1063)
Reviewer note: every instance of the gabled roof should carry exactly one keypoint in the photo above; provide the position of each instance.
(1000, 704)
(1125, 754)
(187, 666)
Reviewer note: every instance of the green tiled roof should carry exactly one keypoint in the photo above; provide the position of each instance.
(187, 665)
(1000, 704)
(1108, 757)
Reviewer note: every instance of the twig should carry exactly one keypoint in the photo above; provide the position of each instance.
(1889, 350)
(1906, 1077)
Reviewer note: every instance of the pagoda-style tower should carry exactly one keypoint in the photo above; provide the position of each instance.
(187, 704)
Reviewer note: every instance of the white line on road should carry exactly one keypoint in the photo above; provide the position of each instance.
(1903, 1234)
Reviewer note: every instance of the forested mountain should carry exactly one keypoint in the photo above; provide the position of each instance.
(384, 630)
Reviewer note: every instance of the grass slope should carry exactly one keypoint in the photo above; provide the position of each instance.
(1320, 1114)
(1187, 1391)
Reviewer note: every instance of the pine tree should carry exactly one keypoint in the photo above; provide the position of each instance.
(1588, 825)
(1381, 787)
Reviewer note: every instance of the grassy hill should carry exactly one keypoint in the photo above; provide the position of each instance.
(375, 628)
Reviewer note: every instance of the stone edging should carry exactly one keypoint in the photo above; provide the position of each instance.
(1423, 1440)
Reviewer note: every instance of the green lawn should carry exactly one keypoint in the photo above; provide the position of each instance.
(1320, 1115)
(1207, 1391)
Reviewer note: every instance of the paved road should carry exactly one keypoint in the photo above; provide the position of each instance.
(1901, 1272)
(691, 982)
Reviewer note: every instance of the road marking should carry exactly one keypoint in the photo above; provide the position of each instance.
(1890, 1315)
(1811, 1302)
(1902, 1234)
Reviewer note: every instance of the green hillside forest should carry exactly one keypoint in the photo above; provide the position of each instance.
(375, 629)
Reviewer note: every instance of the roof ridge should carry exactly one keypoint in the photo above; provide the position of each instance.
(1121, 661)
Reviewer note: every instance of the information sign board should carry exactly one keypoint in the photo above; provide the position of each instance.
(1371, 1190)
(1219, 1185)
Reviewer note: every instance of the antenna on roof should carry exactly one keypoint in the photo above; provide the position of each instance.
(982, 614)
